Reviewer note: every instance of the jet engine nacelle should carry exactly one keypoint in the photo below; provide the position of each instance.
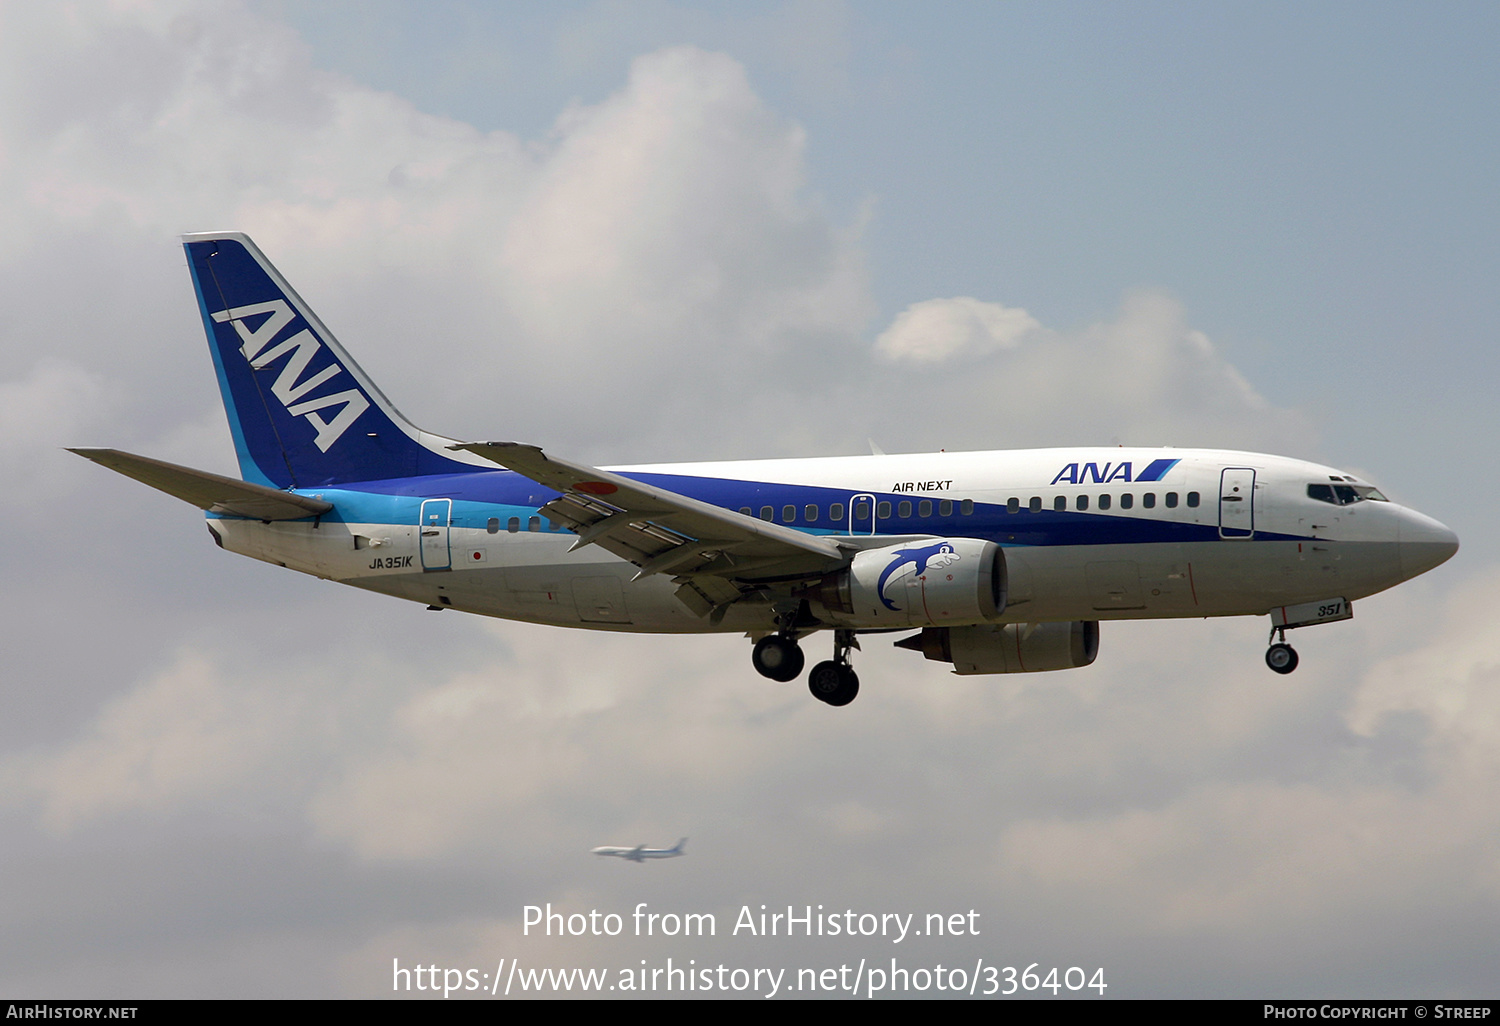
(1011, 647)
(932, 581)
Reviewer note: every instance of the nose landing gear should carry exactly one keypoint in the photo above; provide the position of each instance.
(1281, 657)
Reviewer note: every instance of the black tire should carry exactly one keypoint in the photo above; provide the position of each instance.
(1282, 658)
(833, 684)
(778, 658)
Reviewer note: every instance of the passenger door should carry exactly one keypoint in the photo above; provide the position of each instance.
(433, 527)
(862, 514)
(1237, 503)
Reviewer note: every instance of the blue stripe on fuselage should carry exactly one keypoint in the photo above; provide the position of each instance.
(482, 495)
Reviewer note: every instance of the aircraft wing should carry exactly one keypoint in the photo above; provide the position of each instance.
(715, 553)
(213, 492)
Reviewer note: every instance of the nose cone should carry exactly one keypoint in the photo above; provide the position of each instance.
(1425, 543)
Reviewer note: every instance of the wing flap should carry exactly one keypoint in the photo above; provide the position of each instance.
(662, 531)
(212, 492)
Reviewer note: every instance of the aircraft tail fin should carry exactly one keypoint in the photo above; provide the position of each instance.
(303, 414)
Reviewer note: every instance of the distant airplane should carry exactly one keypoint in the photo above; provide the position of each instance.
(641, 853)
(995, 562)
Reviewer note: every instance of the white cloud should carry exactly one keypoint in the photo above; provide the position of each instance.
(660, 242)
(988, 376)
(1315, 805)
(938, 329)
(55, 402)
(492, 753)
(809, 42)
(665, 235)
(1451, 680)
(183, 738)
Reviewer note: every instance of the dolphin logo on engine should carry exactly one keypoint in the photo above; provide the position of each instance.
(918, 560)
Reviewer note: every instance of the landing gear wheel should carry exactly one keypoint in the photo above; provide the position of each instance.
(778, 658)
(1282, 658)
(833, 683)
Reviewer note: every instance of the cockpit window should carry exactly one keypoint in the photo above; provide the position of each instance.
(1344, 494)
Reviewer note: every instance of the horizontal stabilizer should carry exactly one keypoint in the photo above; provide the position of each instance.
(212, 492)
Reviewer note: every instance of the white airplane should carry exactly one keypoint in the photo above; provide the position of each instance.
(641, 853)
(999, 562)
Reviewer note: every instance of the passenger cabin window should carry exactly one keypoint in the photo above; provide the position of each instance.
(1012, 505)
(903, 509)
(966, 507)
(836, 511)
(1035, 505)
(1171, 500)
(493, 527)
(945, 508)
(1081, 503)
(767, 513)
(1192, 498)
(534, 524)
(1060, 503)
(745, 511)
(883, 510)
(513, 525)
(788, 514)
(924, 508)
(1127, 501)
(1149, 500)
(810, 513)
(1104, 502)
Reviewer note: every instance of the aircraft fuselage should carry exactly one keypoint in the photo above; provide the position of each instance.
(1181, 544)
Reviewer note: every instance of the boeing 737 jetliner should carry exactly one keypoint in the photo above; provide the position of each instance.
(641, 853)
(995, 562)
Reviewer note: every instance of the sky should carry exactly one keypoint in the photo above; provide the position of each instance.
(641, 232)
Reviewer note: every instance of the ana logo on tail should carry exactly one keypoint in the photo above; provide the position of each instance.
(299, 350)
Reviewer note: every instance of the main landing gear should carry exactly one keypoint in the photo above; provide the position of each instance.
(779, 657)
(835, 681)
(1281, 657)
